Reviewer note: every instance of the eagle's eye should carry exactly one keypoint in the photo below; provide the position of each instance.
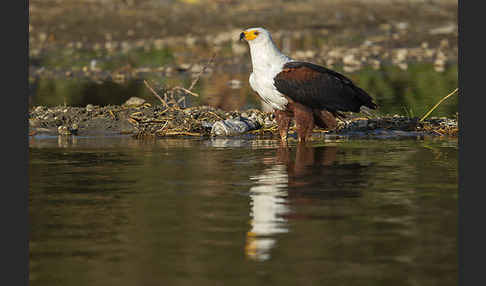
(256, 33)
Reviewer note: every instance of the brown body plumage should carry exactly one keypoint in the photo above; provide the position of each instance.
(316, 96)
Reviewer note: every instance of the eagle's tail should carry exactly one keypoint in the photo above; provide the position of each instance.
(365, 98)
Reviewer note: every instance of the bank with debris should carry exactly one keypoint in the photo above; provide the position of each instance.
(158, 121)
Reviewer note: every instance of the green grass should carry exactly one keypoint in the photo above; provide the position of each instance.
(412, 92)
(77, 59)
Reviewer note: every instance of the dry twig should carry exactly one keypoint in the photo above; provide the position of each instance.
(185, 90)
(169, 95)
(438, 103)
(153, 91)
(201, 72)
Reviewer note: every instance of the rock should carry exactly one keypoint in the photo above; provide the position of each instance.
(234, 84)
(134, 101)
(257, 118)
(371, 124)
(400, 55)
(89, 107)
(68, 129)
(74, 128)
(230, 127)
(269, 122)
(402, 25)
(207, 124)
(349, 60)
(363, 123)
(375, 64)
(63, 130)
(449, 29)
(402, 66)
(39, 109)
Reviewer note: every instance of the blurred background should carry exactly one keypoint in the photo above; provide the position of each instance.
(403, 52)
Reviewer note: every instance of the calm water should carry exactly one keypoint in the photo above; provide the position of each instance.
(117, 211)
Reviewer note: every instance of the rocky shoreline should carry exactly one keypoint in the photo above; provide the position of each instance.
(158, 121)
(349, 34)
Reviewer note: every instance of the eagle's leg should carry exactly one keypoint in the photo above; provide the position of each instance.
(283, 119)
(304, 121)
(324, 119)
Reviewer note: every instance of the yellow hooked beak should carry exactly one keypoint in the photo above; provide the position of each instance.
(249, 35)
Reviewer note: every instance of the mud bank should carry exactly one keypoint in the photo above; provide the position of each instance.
(157, 121)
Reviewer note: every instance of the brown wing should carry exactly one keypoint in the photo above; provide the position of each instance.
(321, 88)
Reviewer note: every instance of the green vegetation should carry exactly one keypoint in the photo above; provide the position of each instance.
(77, 59)
(149, 58)
(411, 92)
(68, 58)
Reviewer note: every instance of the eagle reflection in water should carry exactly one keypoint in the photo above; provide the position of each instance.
(310, 176)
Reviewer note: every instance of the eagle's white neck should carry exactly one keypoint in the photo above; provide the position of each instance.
(265, 56)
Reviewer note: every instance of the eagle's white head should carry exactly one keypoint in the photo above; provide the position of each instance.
(255, 36)
(264, 52)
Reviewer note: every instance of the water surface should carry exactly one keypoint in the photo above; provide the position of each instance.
(118, 211)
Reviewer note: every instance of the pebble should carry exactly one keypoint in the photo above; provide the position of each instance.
(63, 130)
(39, 109)
(269, 122)
(134, 101)
(449, 29)
(74, 128)
(207, 124)
(362, 123)
(257, 118)
(34, 122)
(235, 84)
(402, 66)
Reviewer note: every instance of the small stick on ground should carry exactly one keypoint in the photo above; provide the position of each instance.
(163, 127)
(438, 103)
(210, 112)
(186, 133)
(112, 114)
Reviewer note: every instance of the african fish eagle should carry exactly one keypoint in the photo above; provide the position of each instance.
(309, 93)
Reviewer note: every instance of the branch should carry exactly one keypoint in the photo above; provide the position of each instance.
(201, 72)
(438, 103)
(153, 91)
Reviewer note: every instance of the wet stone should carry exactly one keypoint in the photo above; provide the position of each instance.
(134, 101)
(231, 127)
(34, 122)
(63, 130)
